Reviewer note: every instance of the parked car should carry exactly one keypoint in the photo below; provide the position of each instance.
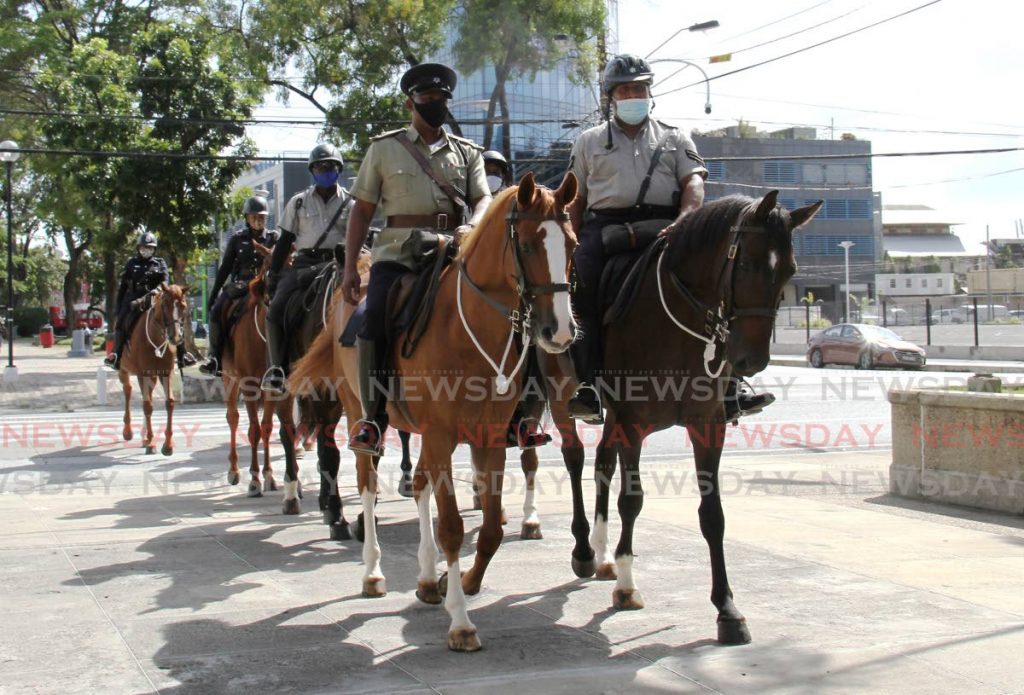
(949, 316)
(863, 346)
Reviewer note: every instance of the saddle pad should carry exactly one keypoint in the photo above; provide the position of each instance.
(354, 325)
(620, 282)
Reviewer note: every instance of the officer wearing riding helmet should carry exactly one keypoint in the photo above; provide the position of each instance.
(411, 200)
(498, 171)
(241, 263)
(611, 162)
(142, 275)
(314, 222)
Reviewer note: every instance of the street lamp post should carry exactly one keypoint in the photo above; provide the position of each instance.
(9, 155)
(845, 246)
(686, 64)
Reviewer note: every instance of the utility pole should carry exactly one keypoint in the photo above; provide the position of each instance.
(988, 274)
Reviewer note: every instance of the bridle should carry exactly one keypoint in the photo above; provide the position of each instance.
(520, 314)
(717, 319)
(173, 326)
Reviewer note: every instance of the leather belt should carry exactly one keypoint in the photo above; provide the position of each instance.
(442, 221)
(320, 254)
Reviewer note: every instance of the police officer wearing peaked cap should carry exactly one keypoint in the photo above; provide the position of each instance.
(391, 178)
(142, 275)
(313, 221)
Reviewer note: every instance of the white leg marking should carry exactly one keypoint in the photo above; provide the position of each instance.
(530, 515)
(599, 542)
(625, 573)
(455, 601)
(291, 490)
(371, 548)
(428, 548)
(554, 247)
(773, 260)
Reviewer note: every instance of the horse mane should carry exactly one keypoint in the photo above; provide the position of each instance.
(706, 225)
(500, 202)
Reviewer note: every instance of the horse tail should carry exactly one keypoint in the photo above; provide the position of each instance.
(312, 374)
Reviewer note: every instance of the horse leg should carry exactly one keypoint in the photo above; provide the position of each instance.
(732, 626)
(146, 387)
(168, 447)
(231, 403)
(126, 387)
(252, 409)
(405, 484)
(479, 488)
(631, 501)
(583, 564)
(436, 460)
(491, 462)
(291, 465)
(426, 582)
(266, 428)
(374, 584)
(531, 520)
(604, 469)
(329, 464)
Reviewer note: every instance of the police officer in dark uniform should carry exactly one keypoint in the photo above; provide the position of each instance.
(611, 161)
(241, 263)
(410, 200)
(142, 275)
(314, 222)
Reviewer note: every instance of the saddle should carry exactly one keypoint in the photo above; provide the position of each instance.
(234, 309)
(411, 299)
(319, 285)
(620, 281)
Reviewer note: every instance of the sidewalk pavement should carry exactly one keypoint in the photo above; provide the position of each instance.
(932, 365)
(126, 573)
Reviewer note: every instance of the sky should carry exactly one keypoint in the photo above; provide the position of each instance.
(944, 77)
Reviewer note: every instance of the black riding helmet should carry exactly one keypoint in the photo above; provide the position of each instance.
(256, 205)
(499, 159)
(325, 152)
(146, 239)
(626, 68)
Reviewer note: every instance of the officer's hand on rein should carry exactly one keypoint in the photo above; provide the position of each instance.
(461, 231)
(667, 231)
(350, 286)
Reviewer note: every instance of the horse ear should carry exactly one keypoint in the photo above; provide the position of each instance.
(802, 216)
(164, 286)
(527, 190)
(767, 204)
(566, 193)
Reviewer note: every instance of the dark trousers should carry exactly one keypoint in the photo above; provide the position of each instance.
(217, 324)
(586, 300)
(383, 277)
(126, 317)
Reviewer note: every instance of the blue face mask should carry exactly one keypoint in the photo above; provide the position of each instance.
(326, 179)
(633, 111)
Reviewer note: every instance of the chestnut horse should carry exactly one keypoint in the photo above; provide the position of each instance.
(150, 355)
(708, 301)
(511, 274)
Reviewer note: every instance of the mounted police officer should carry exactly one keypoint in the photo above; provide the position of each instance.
(612, 162)
(142, 276)
(422, 178)
(314, 221)
(498, 171)
(241, 263)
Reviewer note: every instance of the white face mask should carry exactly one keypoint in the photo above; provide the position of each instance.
(632, 111)
(147, 251)
(494, 183)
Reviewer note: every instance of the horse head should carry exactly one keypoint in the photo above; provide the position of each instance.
(760, 261)
(171, 309)
(542, 244)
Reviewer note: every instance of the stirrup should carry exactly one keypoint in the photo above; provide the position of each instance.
(745, 402)
(113, 361)
(367, 441)
(526, 436)
(188, 359)
(274, 381)
(580, 409)
(210, 368)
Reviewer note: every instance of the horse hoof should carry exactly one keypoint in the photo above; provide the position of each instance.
(291, 507)
(464, 640)
(531, 532)
(166, 450)
(627, 600)
(150, 449)
(477, 504)
(233, 477)
(270, 485)
(606, 572)
(254, 489)
(331, 517)
(583, 568)
(374, 587)
(341, 532)
(405, 486)
(733, 631)
(428, 593)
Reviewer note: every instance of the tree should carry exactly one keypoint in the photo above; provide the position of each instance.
(521, 38)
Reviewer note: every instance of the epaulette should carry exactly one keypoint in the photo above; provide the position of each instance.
(389, 134)
(467, 141)
(663, 124)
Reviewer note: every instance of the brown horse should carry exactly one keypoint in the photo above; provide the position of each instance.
(150, 355)
(511, 273)
(245, 361)
(708, 302)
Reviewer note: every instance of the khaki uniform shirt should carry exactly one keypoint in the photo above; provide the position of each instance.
(309, 220)
(611, 178)
(390, 178)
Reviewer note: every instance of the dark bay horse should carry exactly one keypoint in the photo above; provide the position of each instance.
(707, 302)
(151, 355)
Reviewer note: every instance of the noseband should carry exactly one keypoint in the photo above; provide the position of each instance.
(171, 325)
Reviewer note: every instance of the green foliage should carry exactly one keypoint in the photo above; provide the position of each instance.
(28, 320)
(815, 323)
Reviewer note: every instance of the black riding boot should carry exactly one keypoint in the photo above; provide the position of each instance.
(741, 400)
(212, 365)
(585, 404)
(113, 360)
(274, 381)
(369, 436)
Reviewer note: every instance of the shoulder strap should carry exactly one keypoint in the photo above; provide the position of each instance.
(650, 170)
(424, 163)
(334, 218)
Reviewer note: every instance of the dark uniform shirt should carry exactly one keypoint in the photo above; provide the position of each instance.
(242, 262)
(140, 276)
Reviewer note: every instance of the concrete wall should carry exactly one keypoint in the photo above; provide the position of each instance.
(960, 448)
